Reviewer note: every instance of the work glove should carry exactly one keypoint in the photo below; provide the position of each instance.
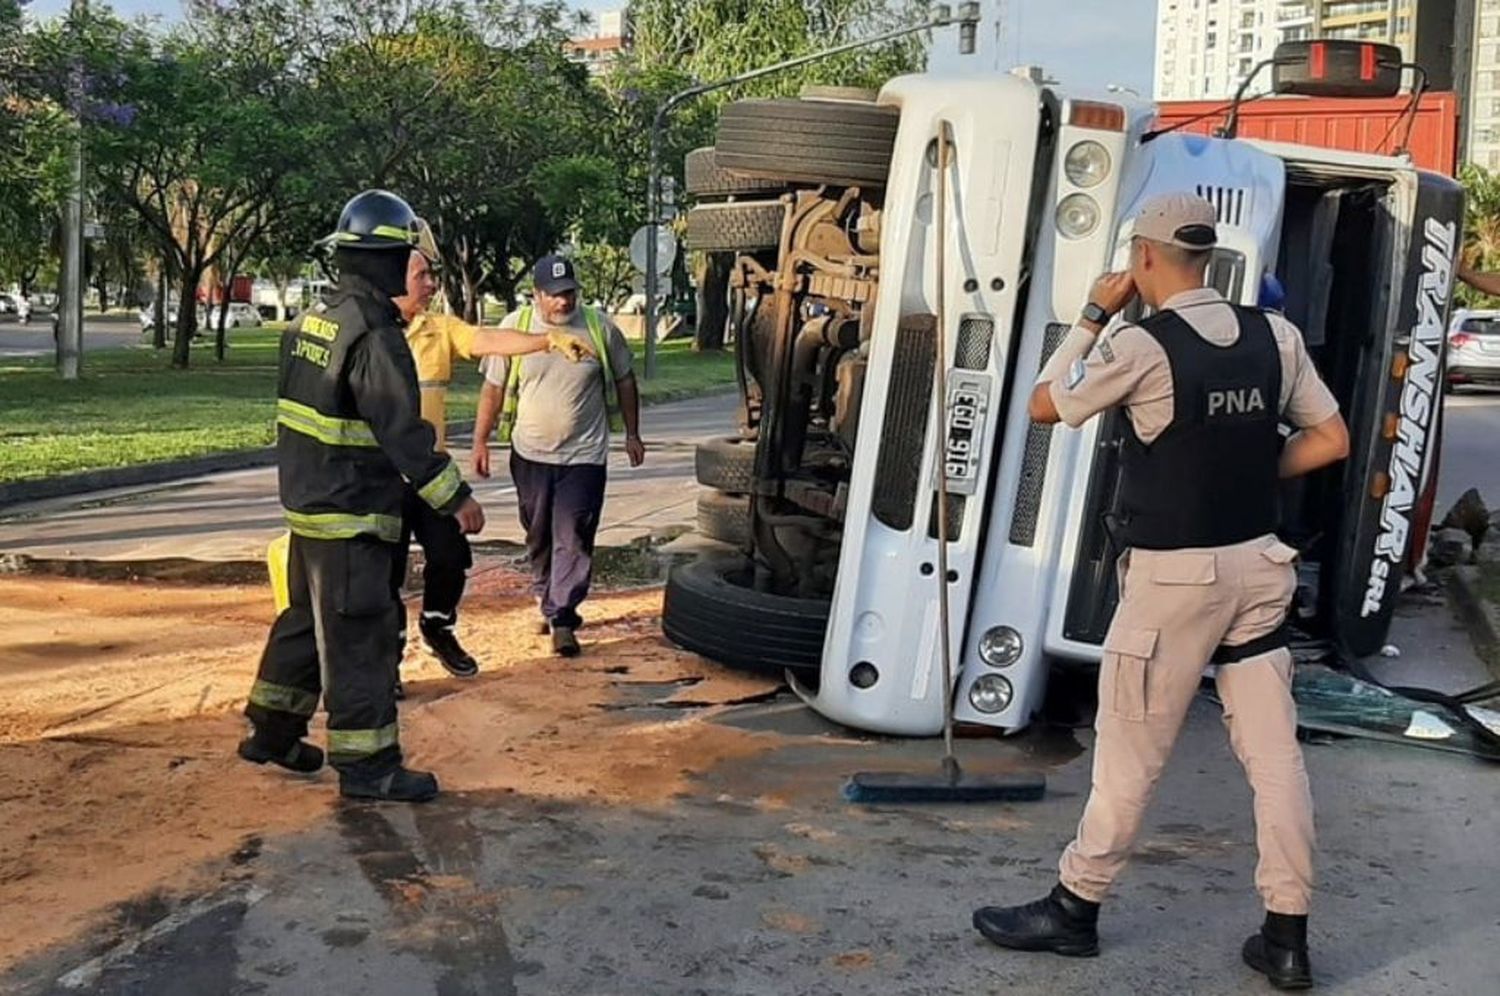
(571, 346)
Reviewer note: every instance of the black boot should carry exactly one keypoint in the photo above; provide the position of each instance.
(564, 642)
(439, 636)
(401, 785)
(1279, 951)
(1062, 923)
(302, 757)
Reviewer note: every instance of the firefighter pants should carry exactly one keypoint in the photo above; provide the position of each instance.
(446, 558)
(560, 508)
(338, 638)
(1177, 607)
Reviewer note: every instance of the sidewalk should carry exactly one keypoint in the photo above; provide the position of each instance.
(231, 516)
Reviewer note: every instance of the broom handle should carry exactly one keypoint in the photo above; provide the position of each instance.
(946, 650)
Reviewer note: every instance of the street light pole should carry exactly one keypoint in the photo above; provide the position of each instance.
(70, 300)
(967, 19)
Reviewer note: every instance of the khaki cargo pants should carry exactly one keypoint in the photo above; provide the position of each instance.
(1176, 608)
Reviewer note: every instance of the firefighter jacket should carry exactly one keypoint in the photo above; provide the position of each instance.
(348, 428)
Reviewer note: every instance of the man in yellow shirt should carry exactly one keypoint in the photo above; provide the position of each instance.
(435, 341)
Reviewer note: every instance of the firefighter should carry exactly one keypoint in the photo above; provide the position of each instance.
(348, 432)
(1204, 384)
(435, 341)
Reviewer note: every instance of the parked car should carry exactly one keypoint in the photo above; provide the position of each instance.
(7, 304)
(241, 314)
(1474, 348)
(148, 318)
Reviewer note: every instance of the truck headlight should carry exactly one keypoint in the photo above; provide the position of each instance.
(1087, 164)
(990, 693)
(1077, 216)
(1000, 646)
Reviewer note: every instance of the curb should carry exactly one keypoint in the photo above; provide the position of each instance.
(1478, 615)
(139, 475)
(133, 476)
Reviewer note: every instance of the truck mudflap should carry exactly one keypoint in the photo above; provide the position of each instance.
(1392, 452)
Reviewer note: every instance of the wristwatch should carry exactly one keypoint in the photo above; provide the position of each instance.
(1093, 313)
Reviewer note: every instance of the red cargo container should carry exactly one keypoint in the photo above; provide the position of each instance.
(1359, 125)
(239, 290)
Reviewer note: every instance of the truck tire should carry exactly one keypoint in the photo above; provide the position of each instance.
(710, 609)
(840, 94)
(706, 178)
(724, 517)
(726, 463)
(746, 226)
(808, 141)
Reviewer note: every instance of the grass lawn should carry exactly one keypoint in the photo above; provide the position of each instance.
(130, 407)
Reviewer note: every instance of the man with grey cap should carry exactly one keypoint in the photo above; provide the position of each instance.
(557, 419)
(1205, 385)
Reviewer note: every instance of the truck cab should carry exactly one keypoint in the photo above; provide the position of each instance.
(846, 447)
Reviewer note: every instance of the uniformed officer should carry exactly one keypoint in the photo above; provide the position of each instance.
(435, 341)
(349, 435)
(1204, 384)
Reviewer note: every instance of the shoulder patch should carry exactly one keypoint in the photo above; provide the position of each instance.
(1106, 351)
(1076, 373)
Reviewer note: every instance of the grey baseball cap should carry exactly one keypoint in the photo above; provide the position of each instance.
(1186, 221)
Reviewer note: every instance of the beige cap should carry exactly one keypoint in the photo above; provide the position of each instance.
(1183, 220)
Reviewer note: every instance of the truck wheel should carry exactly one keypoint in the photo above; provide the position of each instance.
(808, 141)
(726, 464)
(740, 227)
(710, 609)
(706, 178)
(724, 517)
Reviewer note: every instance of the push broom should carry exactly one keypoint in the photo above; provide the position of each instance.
(952, 783)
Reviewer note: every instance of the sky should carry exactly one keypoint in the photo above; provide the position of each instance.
(1088, 43)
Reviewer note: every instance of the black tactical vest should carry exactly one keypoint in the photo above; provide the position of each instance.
(1210, 478)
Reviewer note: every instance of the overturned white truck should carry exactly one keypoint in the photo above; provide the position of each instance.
(824, 213)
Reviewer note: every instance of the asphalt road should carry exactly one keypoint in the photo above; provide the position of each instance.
(1471, 447)
(759, 880)
(35, 339)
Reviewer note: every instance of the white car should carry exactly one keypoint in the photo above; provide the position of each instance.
(240, 315)
(7, 304)
(1474, 348)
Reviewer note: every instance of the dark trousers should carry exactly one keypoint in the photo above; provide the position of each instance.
(338, 638)
(446, 557)
(560, 509)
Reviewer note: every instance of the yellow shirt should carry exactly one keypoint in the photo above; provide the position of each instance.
(435, 340)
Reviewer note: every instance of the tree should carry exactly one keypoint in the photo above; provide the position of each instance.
(193, 141)
(1481, 249)
(33, 163)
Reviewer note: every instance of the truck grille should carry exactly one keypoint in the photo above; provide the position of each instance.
(975, 334)
(898, 469)
(1028, 502)
(1228, 202)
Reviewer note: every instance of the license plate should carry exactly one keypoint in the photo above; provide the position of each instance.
(967, 413)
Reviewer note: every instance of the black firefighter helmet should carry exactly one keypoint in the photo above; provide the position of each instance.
(380, 220)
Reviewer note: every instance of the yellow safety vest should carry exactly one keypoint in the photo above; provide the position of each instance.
(512, 401)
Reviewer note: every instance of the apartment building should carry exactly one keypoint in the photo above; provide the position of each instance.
(1482, 117)
(1205, 48)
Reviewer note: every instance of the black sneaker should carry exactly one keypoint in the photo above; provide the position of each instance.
(1060, 922)
(445, 646)
(564, 642)
(401, 785)
(303, 757)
